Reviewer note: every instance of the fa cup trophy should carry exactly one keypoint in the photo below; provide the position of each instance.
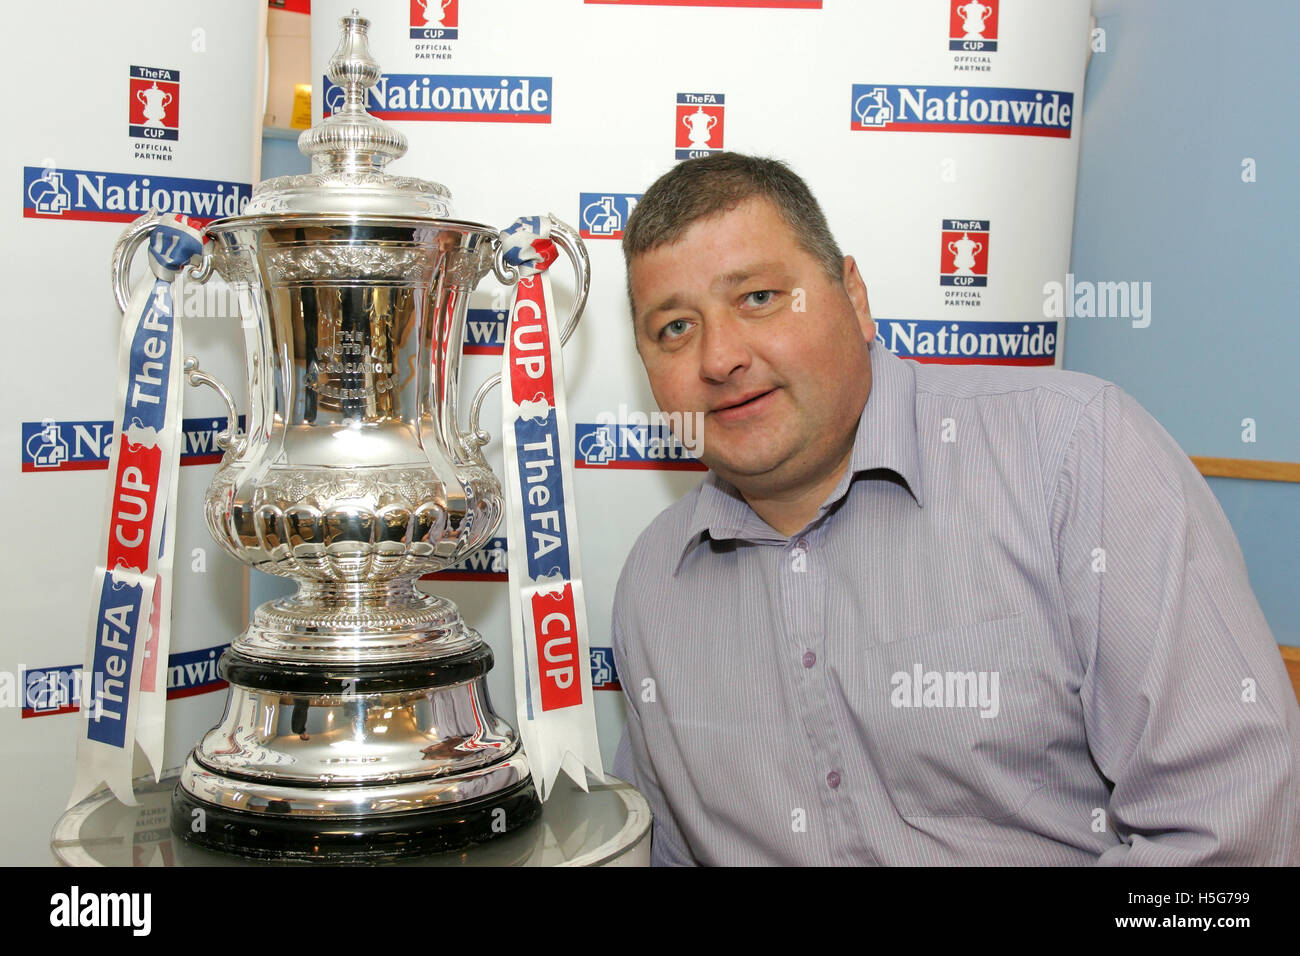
(358, 724)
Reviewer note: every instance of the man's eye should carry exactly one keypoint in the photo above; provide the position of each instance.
(674, 328)
(760, 298)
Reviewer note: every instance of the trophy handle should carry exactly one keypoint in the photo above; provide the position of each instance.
(124, 252)
(228, 440)
(576, 250)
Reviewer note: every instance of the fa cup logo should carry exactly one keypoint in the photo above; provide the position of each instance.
(699, 124)
(964, 251)
(973, 16)
(155, 105)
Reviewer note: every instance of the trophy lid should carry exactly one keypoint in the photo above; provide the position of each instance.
(349, 150)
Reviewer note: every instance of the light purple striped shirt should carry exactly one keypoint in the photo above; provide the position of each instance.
(1020, 631)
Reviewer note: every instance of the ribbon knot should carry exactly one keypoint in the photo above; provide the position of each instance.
(173, 244)
(527, 246)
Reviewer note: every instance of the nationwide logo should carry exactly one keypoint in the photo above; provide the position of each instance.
(603, 215)
(988, 343)
(488, 563)
(84, 446)
(435, 19)
(485, 331)
(468, 99)
(631, 446)
(155, 103)
(122, 197)
(760, 4)
(964, 253)
(604, 675)
(961, 109)
(699, 124)
(973, 26)
(48, 691)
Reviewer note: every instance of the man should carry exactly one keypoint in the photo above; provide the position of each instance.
(921, 614)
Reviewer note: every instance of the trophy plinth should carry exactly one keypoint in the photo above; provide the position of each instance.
(354, 764)
(358, 725)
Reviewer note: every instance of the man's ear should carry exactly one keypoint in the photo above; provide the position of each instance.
(856, 289)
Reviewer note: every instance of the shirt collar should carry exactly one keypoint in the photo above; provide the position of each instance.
(886, 440)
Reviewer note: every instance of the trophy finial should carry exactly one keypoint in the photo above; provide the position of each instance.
(350, 139)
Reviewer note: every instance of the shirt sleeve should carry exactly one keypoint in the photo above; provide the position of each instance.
(1187, 707)
(632, 763)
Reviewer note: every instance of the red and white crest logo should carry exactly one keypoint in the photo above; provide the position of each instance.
(435, 19)
(973, 25)
(964, 253)
(699, 124)
(154, 103)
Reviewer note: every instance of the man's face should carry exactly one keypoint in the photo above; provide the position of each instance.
(737, 321)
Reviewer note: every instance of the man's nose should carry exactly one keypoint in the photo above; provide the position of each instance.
(724, 348)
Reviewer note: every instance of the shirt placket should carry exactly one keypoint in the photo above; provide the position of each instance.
(803, 579)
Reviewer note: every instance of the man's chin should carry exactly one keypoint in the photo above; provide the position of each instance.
(745, 473)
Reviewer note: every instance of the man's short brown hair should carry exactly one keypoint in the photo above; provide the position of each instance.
(698, 188)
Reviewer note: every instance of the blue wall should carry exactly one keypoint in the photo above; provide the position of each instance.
(280, 155)
(1185, 91)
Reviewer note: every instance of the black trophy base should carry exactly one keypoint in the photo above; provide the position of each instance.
(377, 838)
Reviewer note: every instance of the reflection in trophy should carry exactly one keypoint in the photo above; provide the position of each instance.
(973, 16)
(155, 103)
(358, 725)
(434, 17)
(699, 123)
(964, 251)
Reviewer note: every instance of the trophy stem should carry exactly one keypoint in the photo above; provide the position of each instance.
(330, 622)
(343, 596)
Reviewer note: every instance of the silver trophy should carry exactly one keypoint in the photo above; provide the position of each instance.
(358, 724)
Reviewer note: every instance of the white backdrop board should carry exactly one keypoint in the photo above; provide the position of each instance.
(88, 160)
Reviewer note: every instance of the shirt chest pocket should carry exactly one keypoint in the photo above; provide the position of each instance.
(950, 720)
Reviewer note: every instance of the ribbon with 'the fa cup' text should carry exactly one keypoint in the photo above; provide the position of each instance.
(548, 619)
(124, 680)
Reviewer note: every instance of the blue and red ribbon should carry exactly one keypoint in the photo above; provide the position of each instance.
(131, 605)
(548, 620)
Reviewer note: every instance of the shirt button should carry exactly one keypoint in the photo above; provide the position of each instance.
(802, 544)
(833, 780)
(809, 658)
